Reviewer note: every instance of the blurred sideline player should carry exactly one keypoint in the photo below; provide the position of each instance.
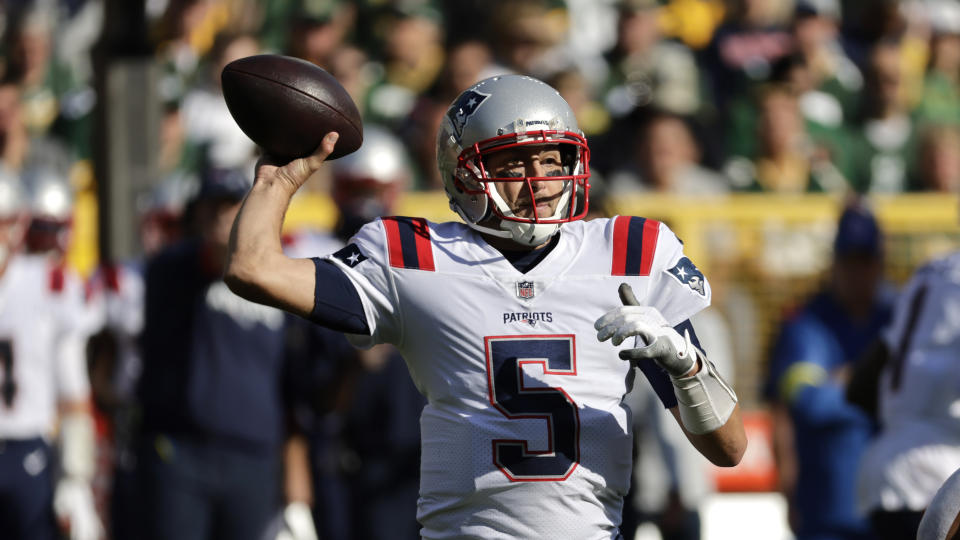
(910, 381)
(116, 294)
(51, 207)
(501, 319)
(357, 413)
(42, 378)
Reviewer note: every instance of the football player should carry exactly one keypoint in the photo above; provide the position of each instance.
(910, 381)
(364, 186)
(43, 378)
(502, 317)
(51, 209)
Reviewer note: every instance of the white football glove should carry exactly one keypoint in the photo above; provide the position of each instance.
(73, 505)
(661, 343)
(297, 523)
(705, 401)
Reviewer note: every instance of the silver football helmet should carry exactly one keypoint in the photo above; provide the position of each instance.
(51, 207)
(501, 113)
(13, 202)
(367, 183)
(14, 211)
(51, 196)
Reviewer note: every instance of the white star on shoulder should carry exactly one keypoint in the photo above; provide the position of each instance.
(472, 102)
(682, 272)
(352, 259)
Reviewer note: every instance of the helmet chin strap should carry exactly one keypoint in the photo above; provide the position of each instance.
(527, 234)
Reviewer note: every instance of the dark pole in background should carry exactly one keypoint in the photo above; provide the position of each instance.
(127, 119)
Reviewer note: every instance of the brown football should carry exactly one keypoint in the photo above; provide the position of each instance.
(286, 105)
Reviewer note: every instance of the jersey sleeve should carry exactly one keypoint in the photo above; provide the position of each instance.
(365, 261)
(678, 288)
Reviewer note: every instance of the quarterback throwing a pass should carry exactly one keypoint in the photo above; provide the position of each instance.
(503, 319)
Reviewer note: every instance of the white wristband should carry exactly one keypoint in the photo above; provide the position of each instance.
(77, 445)
(705, 400)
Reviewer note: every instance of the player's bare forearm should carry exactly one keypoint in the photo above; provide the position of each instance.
(723, 446)
(257, 268)
(296, 466)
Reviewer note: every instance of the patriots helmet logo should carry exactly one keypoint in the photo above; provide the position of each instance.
(461, 111)
(685, 272)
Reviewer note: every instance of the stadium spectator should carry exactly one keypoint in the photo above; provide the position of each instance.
(666, 160)
(318, 30)
(467, 62)
(19, 150)
(646, 69)
(831, 72)
(183, 35)
(527, 36)
(787, 160)
(412, 57)
(883, 135)
(744, 49)
(937, 166)
(207, 123)
(819, 437)
(940, 102)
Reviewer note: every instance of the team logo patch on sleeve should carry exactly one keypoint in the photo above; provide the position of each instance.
(469, 102)
(350, 255)
(685, 272)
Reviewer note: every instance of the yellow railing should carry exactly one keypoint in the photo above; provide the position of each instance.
(763, 254)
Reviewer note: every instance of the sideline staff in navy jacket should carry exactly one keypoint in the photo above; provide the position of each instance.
(212, 386)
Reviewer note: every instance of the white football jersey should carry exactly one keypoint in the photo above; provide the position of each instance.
(117, 297)
(525, 434)
(43, 331)
(919, 395)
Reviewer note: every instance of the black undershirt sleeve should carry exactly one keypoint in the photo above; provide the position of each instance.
(658, 378)
(336, 304)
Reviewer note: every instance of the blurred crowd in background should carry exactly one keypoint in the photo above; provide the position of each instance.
(685, 96)
(689, 98)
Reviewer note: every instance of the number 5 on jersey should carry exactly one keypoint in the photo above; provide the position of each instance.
(508, 359)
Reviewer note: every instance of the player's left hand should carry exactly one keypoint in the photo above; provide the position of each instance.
(664, 345)
(73, 505)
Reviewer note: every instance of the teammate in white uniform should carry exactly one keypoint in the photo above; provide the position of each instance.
(502, 320)
(43, 380)
(918, 447)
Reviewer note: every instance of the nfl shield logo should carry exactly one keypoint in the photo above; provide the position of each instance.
(525, 289)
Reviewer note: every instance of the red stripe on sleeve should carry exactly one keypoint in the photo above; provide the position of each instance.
(424, 247)
(394, 246)
(651, 229)
(621, 232)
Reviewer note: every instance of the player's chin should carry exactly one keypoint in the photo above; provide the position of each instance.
(528, 212)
